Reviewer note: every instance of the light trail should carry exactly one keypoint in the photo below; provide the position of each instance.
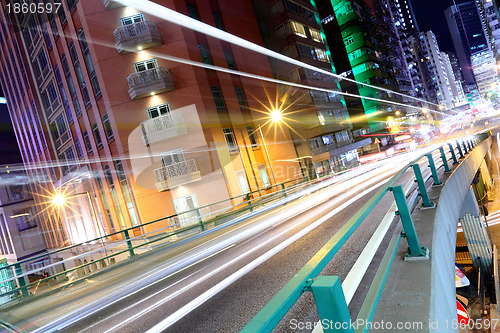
(78, 315)
(193, 304)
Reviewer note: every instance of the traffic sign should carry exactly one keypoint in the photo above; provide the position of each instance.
(376, 141)
(463, 316)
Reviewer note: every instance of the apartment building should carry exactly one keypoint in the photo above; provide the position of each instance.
(104, 112)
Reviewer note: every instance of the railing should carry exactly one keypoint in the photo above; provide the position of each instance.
(232, 210)
(175, 170)
(147, 77)
(161, 123)
(332, 297)
(182, 224)
(134, 30)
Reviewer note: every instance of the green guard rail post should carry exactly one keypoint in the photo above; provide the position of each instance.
(426, 202)
(21, 281)
(200, 220)
(445, 161)
(129, 243)
(283, 189)
(465, 146)
(331, 304)
(433, 170)
(249, 203)
(460, 150)
(414, 249)
(452, 151)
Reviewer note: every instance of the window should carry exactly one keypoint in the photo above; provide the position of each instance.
(71, 4)
(321, 118)
(107, 127)
(71, 85)
(206, 58)
(173, 157)
(349, 41)
(193, 11)
(218, 20)
(220, 105)
(40, 66)
(298, 29)
(145, 65)
(342, 136)
(89, 63)
(316, 35)
(328, 139)
(63, 93)
(242, 101)
(242, 181)
(252, 137)
(78, 148)
(263, 176)
(62, 15)
(24, 219)
(58, 127)
(79, 74)
(126, 192)
(229, 59)
(158, 110)
(230, 140)
(86, 140)
(322, 55)
(97, 135)
(132, 19)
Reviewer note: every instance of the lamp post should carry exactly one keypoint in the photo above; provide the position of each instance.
(276, 117)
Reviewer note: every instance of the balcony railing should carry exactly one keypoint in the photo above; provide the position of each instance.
(111, 4)
(136, 37)
(176, 174)
(162, 127)
(149, 82)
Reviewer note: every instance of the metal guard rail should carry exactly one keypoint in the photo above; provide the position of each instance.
(248, 204)
(327, 290)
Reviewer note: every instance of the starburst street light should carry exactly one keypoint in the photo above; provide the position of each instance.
(276, 115)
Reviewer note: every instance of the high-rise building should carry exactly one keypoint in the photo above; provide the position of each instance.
(468, 35)
(457, 92)
(321, 124)
(374, 54)
(489, 19)
(485, 71)
(404, 13)
(436, 68)
(101, 108)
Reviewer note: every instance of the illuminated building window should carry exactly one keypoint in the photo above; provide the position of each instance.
(230, 140)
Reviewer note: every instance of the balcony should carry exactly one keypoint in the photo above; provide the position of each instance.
(111, 4)
(149, 82)
(177, 174)
(163, 127)
(136, 37)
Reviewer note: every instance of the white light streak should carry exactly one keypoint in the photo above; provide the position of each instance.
(190, 23)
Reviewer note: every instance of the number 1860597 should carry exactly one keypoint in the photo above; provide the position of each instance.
(28, 7)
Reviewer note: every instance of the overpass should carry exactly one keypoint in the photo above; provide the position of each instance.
(429, 259)
(415, 280)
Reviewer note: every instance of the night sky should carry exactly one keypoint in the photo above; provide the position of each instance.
(430, 16)
(9, 152)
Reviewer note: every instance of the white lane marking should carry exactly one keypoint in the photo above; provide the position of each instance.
(177, 315)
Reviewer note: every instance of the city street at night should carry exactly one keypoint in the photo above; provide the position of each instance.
(249, 166)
